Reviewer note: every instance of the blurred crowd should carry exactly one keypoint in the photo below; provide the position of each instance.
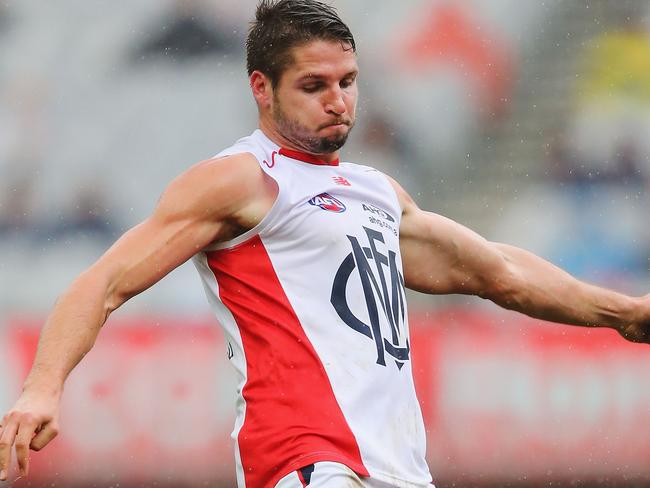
(103, 104)
(601, 158)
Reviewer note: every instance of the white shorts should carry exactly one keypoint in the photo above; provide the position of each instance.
(335, 475)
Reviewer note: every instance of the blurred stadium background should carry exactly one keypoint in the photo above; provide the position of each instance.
(527, 121)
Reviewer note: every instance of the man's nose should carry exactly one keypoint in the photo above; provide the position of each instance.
(335, 102)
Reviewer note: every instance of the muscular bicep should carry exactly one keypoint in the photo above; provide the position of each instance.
(195, 210)
(148, 252)
(440, 256)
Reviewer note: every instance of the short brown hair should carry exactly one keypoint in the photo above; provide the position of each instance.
(281, 25)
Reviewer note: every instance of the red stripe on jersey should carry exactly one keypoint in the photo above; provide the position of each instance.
(292, 416)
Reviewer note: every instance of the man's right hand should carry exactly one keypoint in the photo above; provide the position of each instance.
(31, 424)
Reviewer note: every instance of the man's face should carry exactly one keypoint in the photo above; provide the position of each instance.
(315, 100)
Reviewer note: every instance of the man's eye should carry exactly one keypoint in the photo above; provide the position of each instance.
(346, 83)
(311, 88)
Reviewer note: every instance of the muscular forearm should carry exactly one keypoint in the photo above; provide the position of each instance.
(69, 333)
(539, 289)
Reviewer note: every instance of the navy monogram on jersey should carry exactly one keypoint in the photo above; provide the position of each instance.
(313, 306)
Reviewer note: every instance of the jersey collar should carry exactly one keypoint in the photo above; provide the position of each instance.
(307, 158)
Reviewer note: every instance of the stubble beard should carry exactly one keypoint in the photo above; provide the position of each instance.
(300, 136)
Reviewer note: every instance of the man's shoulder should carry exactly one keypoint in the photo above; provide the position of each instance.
(238, 169)
(358, 167)
(368, 169)
(379, 175)
(218, 185)
(403, 198)
(256, 144)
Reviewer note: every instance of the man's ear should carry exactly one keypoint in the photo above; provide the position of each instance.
(262, 89)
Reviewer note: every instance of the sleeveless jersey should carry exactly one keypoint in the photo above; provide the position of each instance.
(312, 303)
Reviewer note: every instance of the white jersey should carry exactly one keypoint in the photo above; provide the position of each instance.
(312, 302)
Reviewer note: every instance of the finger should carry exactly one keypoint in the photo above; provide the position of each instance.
(44, 436)
(6, 441)
(26, 431)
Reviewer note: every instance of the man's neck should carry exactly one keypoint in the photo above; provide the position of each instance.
(270, 131)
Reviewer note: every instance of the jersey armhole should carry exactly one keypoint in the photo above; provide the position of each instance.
(391, 188)
(266, 221)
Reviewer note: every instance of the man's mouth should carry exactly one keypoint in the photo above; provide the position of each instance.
(341, 123)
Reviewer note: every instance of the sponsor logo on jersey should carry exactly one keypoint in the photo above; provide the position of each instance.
(339, 180)
(377, 211)
(375, 268)
(328, 202)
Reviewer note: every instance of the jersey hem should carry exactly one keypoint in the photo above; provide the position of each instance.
(386, 478)
(317, 457)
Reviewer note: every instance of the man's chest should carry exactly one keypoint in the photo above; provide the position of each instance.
(326, 208)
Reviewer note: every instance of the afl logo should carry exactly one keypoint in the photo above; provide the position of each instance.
(328, 202)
